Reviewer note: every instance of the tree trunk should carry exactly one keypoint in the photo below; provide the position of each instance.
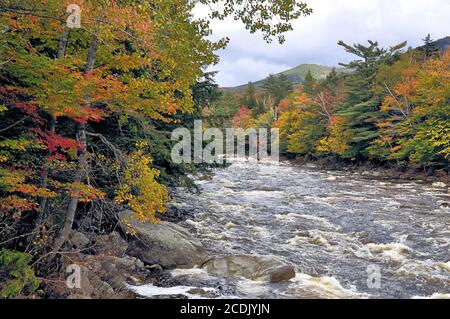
(82, 165)
(52, 128)
(62, 45)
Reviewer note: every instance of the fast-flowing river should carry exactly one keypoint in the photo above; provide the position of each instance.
(337, 228)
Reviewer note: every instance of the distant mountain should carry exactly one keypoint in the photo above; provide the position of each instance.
(295, 75)
(443, 44)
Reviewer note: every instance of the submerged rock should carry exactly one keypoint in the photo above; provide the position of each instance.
(250, 267)
(165, 244)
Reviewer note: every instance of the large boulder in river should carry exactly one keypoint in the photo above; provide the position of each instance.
(165, 244)
(250, 267)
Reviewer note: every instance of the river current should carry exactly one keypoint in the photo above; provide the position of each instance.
(348, 236)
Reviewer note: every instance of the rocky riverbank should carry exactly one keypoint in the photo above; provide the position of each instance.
(115, 265)
(438, 177)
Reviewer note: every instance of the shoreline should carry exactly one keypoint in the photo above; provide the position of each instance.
(394, 174)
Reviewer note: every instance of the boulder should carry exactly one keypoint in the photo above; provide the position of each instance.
(165, 244)
(78, 240)
(112, 245)
(283, 273)
(250, 267)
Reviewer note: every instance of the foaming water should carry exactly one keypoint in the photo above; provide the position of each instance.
(331, 226)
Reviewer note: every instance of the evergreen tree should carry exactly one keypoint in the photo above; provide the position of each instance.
(361, 106)
(309, 84)
(277, 87)
(250, 96)
(429, 48)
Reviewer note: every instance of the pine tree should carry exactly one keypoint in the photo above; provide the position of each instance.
(361, 106)
(250, 98)
(277, 87)
(429, 48)
(309, 84)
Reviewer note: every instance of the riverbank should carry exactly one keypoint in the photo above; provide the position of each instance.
(375, 172)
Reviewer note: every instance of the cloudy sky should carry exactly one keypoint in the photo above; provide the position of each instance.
(249, 58)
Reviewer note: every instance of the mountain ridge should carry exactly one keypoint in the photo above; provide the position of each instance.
(298, 73)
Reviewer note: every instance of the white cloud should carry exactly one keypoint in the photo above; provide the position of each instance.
(314, 39)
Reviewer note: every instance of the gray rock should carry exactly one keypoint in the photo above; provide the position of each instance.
(165, 244)
(283, 273)
(250, 267)
(139, 264)
(376, 173)
(78, 240)
(112, 244)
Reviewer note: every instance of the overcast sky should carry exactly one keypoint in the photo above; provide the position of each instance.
(314, 39)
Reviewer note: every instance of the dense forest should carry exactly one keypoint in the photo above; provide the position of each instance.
(388, 107)
(89, 93)
(86, 115)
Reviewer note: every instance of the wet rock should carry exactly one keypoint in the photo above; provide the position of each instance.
(112, 245)
(134, 281)
(250, 267)
(283, 273)
(443, 204)
(155, 268)
(439, 184)
(176, 214)
(376, 173)
(165, 244)
(78, 240)
(139, 264)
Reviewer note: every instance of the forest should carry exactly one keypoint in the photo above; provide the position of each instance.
(87, 108)
(388, 107)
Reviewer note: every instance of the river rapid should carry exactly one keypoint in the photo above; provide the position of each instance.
(348, 236)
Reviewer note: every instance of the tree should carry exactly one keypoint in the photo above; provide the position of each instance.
(309, 84)
(260, 15)
(398, 84)
(129, 72)
(426, 137)
(243, 118)
(361, 106)
(250, 99)
(277, 87)
(429, 48)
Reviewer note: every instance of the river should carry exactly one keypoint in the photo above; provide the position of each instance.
(339, 229)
